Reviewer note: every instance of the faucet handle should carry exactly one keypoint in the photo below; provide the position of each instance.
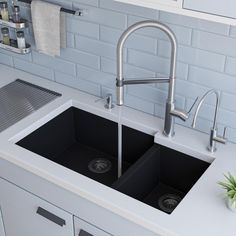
(182, 114)
(222, 139)
(194, 103)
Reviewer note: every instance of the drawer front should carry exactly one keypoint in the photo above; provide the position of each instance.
(2, 231)
(30, 215)
(222, 8)
(83, 228)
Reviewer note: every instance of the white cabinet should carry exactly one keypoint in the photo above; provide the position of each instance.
(25, 214)
(157, 4)
(170, 2)
(223, 8)
(2, 230)
(212, 10)
(83, 228)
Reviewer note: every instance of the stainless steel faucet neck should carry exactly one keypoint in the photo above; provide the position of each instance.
(171, 111)
(200, 105)
(137, 26)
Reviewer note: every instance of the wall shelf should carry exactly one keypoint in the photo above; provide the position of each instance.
(13, 43)
(13, 47)
(11, 24)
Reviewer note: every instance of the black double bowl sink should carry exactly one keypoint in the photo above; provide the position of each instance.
(88, 144)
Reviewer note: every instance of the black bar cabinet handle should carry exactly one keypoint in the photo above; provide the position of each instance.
(84, 233)
(48, 215)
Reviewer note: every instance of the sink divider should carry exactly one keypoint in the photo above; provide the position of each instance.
(143, 172)
(120, 161)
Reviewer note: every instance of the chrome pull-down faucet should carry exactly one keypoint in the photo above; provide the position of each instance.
(214, 137)
(171, 110)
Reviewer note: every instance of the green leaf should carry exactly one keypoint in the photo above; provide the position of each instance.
(231, 193)
(231, 179)
(234, 198)
(229, 185)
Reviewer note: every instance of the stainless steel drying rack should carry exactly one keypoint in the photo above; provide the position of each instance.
(78, 12)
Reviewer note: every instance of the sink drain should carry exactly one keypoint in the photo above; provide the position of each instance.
(168, 202)
(99, 165)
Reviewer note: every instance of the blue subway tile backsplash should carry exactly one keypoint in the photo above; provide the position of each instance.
(206, 59)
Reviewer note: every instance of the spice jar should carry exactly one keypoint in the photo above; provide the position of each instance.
(20, 36)
(16, 14)
(5, 36)
(4, 11)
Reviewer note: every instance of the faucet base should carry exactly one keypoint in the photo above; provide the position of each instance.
(211, 149)
(168, 135)
(212, 144)
(169, 121)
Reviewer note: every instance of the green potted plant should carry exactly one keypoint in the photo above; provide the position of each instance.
(230, 186)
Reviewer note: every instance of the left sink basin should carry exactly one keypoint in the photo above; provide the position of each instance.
(74, 139)
(87, 144)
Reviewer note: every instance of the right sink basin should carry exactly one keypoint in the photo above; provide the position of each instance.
(161, 177)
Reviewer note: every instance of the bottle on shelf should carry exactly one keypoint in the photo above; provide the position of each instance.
(16, 14)
(20, 36)
(5, 36)
(4, 11)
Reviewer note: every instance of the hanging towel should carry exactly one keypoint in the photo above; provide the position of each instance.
(49, 27)
(63, 30)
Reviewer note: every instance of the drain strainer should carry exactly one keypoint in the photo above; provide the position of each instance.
(168, 202)
(99, 165)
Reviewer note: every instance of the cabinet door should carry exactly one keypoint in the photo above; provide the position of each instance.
(25, 214)
(2, 231)
(83, 228)
(216, 7)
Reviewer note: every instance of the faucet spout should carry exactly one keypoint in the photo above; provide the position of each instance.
(200, 105)
(214, 137)
(171, 111)
(120, 46)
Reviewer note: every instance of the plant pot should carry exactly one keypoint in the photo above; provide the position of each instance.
(231, 204)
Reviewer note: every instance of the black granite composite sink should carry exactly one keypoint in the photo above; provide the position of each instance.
(88, 144)
(161, 177)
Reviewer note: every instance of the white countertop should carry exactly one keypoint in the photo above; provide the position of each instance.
(201, 212)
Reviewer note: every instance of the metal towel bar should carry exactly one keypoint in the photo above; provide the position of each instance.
(78, 12)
